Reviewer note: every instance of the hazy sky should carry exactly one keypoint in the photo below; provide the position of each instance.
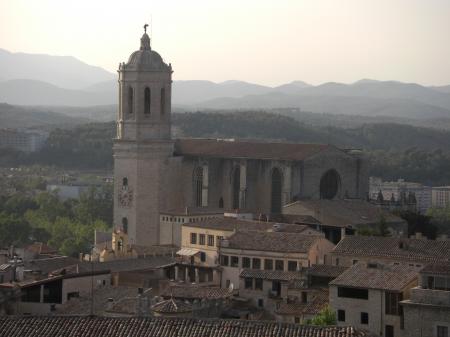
(267, 42)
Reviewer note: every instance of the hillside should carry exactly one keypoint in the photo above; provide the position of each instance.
(63, 71)
(22, 117)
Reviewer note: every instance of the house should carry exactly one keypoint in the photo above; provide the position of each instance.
(340, 217)
(427, 311)
(368, 296)
(40, 297)
(269, 251)
(414, 251)
(80, 326)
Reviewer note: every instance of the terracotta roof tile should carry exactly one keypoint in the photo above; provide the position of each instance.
(189, 291)
(272, 274)
(161, 327)
(272, 241)
(379, 276)
(416, 250)
(324, 270)
(217, 148)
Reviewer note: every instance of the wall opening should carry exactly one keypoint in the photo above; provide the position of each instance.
(198, 186)
(236, 187)
(130, 100)
(277, 183)
(147, 100)
(329, 184)
(163, 101)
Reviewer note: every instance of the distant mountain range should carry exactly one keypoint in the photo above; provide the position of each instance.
(29, 79)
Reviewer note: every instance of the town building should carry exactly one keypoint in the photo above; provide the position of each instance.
(24, 140)
(427, 311)
(368, 296)
(154, 173)
(266, 252)
(338, 218)
(412, 251)
(440, 196)
(397, 190)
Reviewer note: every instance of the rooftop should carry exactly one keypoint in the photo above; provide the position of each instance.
(172, 306)
(416, 250)
(340, 213)
(217, 148)
(190, 291)
(437, 269)
(272, 241)
(63, 326)
(324, 270)
(231, 224)
(377, 276)
(271, 274)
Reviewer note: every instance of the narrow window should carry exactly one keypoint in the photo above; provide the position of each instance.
(245, 262)
(163, 100)
(201, 239)
(248, 283)
(341, 315)
(193, 238)
(147, 100)
(202, 256)
(210, 240)
(125, 182)
(221, 203)
(225, 260)
(364, 318)
(125, 225)
(258, 284)
(279, 265)
(130, 100)
(268, 264)
(234, 261)
(198, 186)
(256, 263)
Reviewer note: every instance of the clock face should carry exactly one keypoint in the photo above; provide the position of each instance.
(125, 197)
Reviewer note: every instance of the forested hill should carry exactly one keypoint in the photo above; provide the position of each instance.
(396, 150)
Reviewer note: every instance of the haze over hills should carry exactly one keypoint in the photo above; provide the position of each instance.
(63, 71)
(29, 79)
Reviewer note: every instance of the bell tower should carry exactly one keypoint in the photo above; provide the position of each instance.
(143, 144)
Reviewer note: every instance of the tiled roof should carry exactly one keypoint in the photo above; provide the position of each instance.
(41, 248)
(323, 270)
(271, 274)
(231, 224)
(189, 291)
(246, 149)
(396, 248)
(47, 265)
(380, 276)
(301, 219)
(171, 306)
(66, 326)
(147, 263)
(272, 241)
(342, 213)
(439, 269)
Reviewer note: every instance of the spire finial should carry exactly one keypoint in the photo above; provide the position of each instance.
(145, 28)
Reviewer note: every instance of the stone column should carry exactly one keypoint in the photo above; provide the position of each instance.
(186, 275)
(176, 273)
(205, 183)
(197, 277)
(287, 185)
(243, 185)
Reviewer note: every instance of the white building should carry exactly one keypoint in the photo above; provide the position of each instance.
(394, 189)
(22, 140)
(440, 196)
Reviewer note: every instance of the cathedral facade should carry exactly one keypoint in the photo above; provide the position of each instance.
(154, 173)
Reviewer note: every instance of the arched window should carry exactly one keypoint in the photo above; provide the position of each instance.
(120, 245)
(130, 100)
(221, 203)
(329, 184)
(236, 187)
(147, 100)
(198, 186)
(125, 182)
(163, 100)
(125, 225)
(277, 183)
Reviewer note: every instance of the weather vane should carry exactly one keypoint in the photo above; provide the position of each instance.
(145, 28)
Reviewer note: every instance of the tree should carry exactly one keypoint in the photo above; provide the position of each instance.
(419, 223)
(13, 230)
(382, 229)
(326, 317)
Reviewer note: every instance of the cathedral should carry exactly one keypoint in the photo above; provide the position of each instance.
(154, 173)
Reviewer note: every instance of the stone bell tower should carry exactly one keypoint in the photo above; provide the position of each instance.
(143, 144)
